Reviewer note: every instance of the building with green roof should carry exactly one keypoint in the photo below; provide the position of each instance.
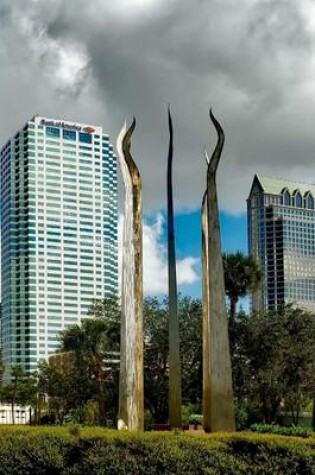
(281, 234)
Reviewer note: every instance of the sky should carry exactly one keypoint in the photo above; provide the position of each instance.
(100, 62)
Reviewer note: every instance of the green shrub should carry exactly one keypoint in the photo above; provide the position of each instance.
(297, 431)
(195, 419)
(188, 410)
(96, 451)
(29, 455)
(241, 416)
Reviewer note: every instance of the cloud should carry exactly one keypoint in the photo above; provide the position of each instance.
(155, 259)
(99, 62)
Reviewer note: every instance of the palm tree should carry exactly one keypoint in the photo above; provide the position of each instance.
(11, 391)
(89, 342)
(242, 274)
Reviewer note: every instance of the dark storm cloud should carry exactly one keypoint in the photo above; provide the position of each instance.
(4, 14)
(277, 24)
(253, 61)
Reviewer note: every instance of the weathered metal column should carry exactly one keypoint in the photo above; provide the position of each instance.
(175, 391)
(131, 405)
(218, 407)
(205, 307)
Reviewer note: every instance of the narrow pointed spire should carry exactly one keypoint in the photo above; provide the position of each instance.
(218, 410)
(175, 393)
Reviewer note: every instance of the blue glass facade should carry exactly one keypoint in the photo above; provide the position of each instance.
(281, 230)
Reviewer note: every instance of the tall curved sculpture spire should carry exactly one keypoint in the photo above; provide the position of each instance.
(131, 405)
(205, 303)
(175, 392)
(218, 410)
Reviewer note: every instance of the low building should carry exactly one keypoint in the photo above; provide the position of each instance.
(22, 414)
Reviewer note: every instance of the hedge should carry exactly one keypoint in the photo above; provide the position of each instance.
(297, 431)
(96, 451)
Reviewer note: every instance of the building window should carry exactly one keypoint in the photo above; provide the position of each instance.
(52, 132)
(309, 202)
(298, 200)
(69, 134)
(86, 138)
(286, 198)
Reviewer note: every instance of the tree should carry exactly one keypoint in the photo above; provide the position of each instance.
(298, 361)
(190, 328)
(90, 343)
(2, 369)
(242, 274)
(58, 378)
(108, 309)
(23, 389)
(12, 392)
(29, 396)
(156, 355)
(273, 362)
(76, 378)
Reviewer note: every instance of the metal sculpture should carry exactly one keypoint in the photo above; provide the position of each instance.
(175, 393)
(205, 303)
(218, 410)
(131, 405)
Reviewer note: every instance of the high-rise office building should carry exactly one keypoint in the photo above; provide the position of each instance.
(59, 220)
(281, 231)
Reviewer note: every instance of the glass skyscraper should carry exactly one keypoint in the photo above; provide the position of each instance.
(281, 231)
(59, 218)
